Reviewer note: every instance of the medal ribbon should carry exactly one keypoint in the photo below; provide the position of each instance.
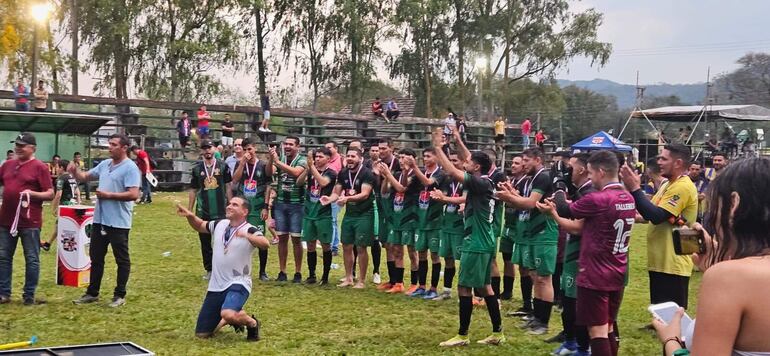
(206, 169)
(528, 186)
(246, 167)
(227, 237)
(353, 179)
(15, 226)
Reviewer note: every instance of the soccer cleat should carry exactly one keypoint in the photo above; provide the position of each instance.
(384, 286)
(252, 333)
(494, 339)
(443, 296)
(526, 324)
(297, 278)
(281, 277)
(323, 282)
(419, 292)
(566, 348)
(520, 312)
(459, 340)
(397, 288)
(411, 290)
(558, 338)
(85, 299)
(506, 296)
(537, 328)
(430, 295)
(376, 279)
(263, 277)
(528, 317)
(311, 280)
(117, 301)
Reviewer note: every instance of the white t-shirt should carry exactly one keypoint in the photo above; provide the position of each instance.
(233, 267)
(449, 122)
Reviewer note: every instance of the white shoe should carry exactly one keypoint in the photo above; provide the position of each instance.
(262, 129)
(376, 278)
(207, 276)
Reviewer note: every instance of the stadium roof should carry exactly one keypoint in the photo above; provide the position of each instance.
(65, 123)
(691, 113)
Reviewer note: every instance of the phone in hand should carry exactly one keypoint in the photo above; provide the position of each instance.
(665, 312)
(688, 241)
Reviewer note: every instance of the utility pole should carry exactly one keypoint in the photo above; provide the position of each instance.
(75, 45)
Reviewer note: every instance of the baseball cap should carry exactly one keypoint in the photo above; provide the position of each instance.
(25, 138)
(206, 143)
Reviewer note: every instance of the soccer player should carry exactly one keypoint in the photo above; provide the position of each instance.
(405, 191)
(66, 193)
(541, 234)
(354, 191)
(674, 205)
(320, 179)
(208, 194)
(385, 211)
(479, 246)
(288, 207)
(497, 176)
(429, 213)
(608, 216)
(452, 196)
(509, 240)
(234, 243)
(254, 182)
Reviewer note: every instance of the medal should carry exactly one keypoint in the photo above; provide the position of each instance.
(352, 182)
(210, 182)
(227, 238)
(250, 185)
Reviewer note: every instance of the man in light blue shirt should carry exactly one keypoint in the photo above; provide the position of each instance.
(119, 181)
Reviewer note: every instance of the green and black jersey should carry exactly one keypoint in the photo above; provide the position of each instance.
(386, 200)
(405, 216)
(498, 176)
(288, 191)
(210, 181)
(429, 211)
(479, 208)
(314, 210)
(352, 182)
(452, 220)
(67, 185)
(540, 229)
(253, 184)
(511, 213)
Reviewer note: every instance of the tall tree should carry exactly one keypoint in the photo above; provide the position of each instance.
(749, 84)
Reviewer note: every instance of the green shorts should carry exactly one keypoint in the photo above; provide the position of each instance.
(450, 245)
(258, 223)
(475, 270)
(568, 276)
(518, 252)
(403, 238)
(357, 231)
(428, 240)
(541, 259)
(320, 229)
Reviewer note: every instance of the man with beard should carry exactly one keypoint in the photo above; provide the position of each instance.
(354, 190)
(509, 240)
(429, 213)
(208, 193)
(288, 204)
(385, 149)
(320, 180)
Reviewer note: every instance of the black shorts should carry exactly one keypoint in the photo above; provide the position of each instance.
(666, 287)
(499, 138)
(184, 140)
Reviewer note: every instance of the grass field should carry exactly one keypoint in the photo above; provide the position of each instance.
(165, 293)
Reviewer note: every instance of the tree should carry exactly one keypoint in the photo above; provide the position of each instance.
(749, 84)
(587, 112)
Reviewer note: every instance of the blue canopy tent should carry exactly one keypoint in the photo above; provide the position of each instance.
(601, 141)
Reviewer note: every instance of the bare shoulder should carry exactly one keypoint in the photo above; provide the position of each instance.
(739, 273)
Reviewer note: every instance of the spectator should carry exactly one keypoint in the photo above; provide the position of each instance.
(335, 163)
(236, 156)
(652, 178)
(77, 159)
(53, 168)
(9, 155)
(526, 130)
(203, 123)
(143, 162)
(227, 131)
(392, 112)
(21, 96)
(219, 151)
(184, 130)
(701, 184)
(499, 132)
(462, 128)
(540, 138)
(449, 125)
(731, 316)
(265, 102)
(377, 109)
(41, 97)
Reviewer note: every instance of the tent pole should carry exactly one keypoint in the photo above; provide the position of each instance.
(697, 121)
(626, 124)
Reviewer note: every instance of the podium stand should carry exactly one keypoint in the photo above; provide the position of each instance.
(73, 240)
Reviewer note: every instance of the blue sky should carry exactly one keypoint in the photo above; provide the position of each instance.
(674, 41)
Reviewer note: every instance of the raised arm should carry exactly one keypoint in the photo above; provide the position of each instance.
(195, 222)
(443, 160)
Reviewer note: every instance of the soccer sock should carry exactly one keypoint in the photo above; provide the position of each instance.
(392, 272)
(508, 286)
(496, 286)
(466, 310)
(449, 276)
(400, 275)
(583, 340)
(537, 310)
(423, 272)
(600, 347)
(415, 275)
(327, 256)
(568, 318)
(312, 260)
(435, 275)
(526, 291)
(546, 310)
(494, 313)
(614, 338)
(262, 261)
(376, 253)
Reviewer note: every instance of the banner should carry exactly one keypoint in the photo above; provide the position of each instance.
(73, 240)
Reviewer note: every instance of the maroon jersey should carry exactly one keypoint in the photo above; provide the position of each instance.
(609, 215)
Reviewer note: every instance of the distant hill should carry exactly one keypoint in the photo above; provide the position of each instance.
(626, 93)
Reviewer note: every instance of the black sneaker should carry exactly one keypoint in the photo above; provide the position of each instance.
(252, 333)
(281, 277)
(520, 312)
(33, 301)
(558, 338)
(263, 277)
(506, 296)
(311, 280)
(297, 278)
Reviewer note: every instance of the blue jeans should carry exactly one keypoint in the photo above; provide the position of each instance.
(30, 241)
(335, 230)
(288, 218)
(525, 141)
(146, 189)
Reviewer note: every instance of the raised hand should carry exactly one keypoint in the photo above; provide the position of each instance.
(182, 211)
(630, 179)
(325, 200)
(437, 137)
(437, 195)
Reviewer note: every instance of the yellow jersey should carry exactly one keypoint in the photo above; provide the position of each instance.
(499, 127)
(680, 198)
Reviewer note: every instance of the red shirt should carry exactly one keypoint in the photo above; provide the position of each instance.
(15, 177)
(336, 163)
(203, 118)
(539, 137)
(526, 127)
(140, 157)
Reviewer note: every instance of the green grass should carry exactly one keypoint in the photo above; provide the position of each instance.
(165, 293)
